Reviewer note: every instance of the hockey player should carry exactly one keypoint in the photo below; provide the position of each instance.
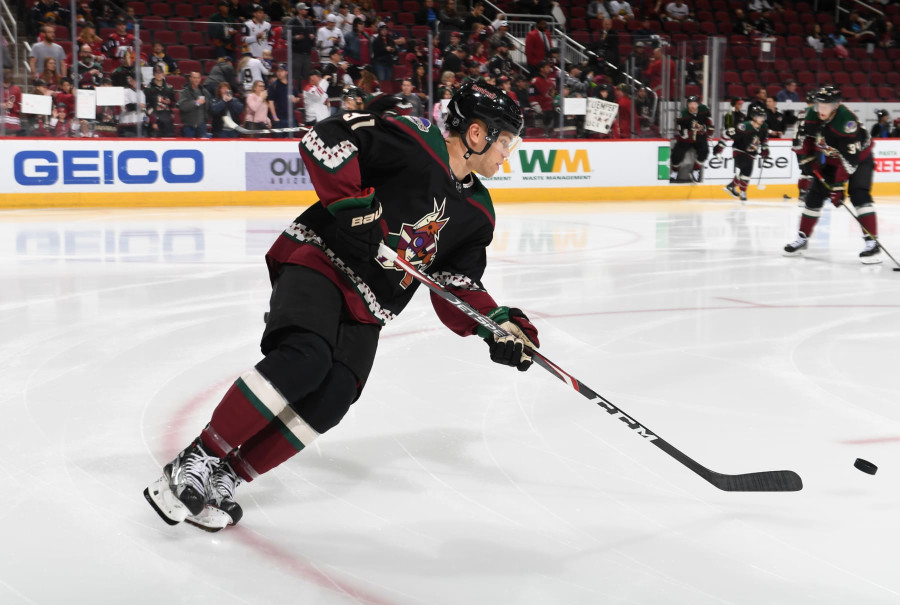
(834, 131)
(807, 161)
(353, 99)
(692, 131)
(379, 179)
(751, 139)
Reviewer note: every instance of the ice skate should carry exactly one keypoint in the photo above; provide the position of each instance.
(697, 175)
(797, 246)
(743, 196)
(181, 490)
(730, 189)
(220, 510)
(871, 254)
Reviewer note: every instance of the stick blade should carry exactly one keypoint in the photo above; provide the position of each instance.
(767, 481)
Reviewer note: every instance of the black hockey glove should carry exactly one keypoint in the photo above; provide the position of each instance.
(515, 349)
(361, 230)
(719, 148)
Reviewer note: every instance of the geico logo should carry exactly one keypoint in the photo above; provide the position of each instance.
(365, 220)
(91, 167)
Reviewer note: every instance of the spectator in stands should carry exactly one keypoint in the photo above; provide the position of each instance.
(597, 10)
(367, 81)
(641, 59)
(282, 97)
(455, 39)
(353, 42)
(788, 93)
(427, 15)
(329, 36)
(133, 111)
(224, 104)
(621, 10)
(256, 31)
(733, 118)
(10, 104)
(855, 29)
(223, 71)
(47, 48)
(537, 46)
(65, 94)
(61, 123)
(89, 36)
(816, 39)
(774, 119)
(889, 37)
(83, 14)
(477, 16)
(448, 16)
(315, 99)
(500, 63)
(440, 112)
(606, 43)
(249, 70)
(90, 71)
(345, 18)
(115, 44)
(837, 41)
(384, 53)
(46, 12)
(257, 114)
(120, 74)
(221, 29)
(51, 74)
(275, 9)
(543, 91)
(301, 31)
(159, 57)
(193, 103)
(455, 61)
(419, 79)
(882, 128)
(408, 95)
(655, 71)
(678, 11)
(895, 132)
(760, 6)
(648, 33)
(160, 102)
(643, 109)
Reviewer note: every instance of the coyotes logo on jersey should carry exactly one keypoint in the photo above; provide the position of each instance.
(417, 243)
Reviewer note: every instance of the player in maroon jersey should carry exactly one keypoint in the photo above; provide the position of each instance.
(391, 179)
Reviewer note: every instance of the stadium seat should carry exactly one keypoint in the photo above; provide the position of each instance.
(176, 82)
(868, 93)
(858, 78)
(188, 11)
(736, 90)
(840, 78)
(192, 38)
(178, 52)
(162, 9)
(850, 93)
(186, 66)
(886, 93)
(205, 11)
(140, 8)
(806, 79)
(165, 37)
(201, 52)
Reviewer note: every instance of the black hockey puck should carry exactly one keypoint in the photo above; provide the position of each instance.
(865, 466)
(786, 196)
(896, 268)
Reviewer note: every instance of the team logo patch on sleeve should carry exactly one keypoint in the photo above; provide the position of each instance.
(742, 127)
(850, 127)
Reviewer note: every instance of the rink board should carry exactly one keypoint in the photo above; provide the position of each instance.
(143, 172)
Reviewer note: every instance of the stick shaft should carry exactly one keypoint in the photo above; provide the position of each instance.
(775, 481)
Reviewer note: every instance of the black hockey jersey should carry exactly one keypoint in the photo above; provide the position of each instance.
(750, 140)
(840, 140)
(438, 224)
(691, 127)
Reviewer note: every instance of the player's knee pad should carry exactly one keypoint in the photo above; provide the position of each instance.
(811, 212)
(326, 406)
(861, 198)
(865, 209)
(297, 365)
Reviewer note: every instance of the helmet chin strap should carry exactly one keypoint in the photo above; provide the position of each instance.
(470, 151)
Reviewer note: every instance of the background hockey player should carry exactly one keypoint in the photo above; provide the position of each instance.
(734, 117)
(751, 140)
(834, 131)
(692, 131)
(391, 179)
(806, 161)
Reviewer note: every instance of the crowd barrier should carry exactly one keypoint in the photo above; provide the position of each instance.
(43, 173)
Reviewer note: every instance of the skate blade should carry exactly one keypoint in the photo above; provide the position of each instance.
(167, 506)
(871, 260)
(729, 192)
(210, 519)
(795, 253)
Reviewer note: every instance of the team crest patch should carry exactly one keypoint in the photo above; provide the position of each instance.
(850, 127)
(742, 127)
(421, 124)
(417, 243)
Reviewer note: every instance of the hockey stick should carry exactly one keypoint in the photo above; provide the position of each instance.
(759, 183)
(856, 218)
(767, 481)
(230, 124)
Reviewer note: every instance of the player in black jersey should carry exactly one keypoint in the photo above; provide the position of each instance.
(751, 139)
(833, 132)
(392, 180)
(807, 161)
(692, 130)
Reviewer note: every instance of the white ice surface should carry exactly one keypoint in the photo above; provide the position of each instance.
(454, 480)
